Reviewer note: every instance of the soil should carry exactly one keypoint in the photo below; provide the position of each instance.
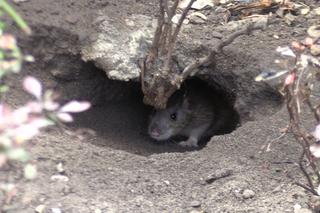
(111, 163)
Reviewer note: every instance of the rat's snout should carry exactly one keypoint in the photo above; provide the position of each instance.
(154, 132)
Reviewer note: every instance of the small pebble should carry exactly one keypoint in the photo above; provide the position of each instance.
(167, 182)
(62, 178)
(40, 209)
(97, 211)
(303, 210)
(315, 50)
(195, 204)
(317, 10)
(197, 211)
(56, 210)
(276, 36)
(247, 193)
(71, 19)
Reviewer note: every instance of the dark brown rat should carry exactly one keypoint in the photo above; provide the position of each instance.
(196, 111)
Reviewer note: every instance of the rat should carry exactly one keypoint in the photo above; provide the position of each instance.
(195, 111)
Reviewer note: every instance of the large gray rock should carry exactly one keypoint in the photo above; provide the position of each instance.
(116, 48)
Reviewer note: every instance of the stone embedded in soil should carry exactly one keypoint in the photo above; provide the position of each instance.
(71, 19)
(315, 50)
(217, 175)
(247, 193)
(303, 210)
(195, 204)
(56, 210)
(61, 178)
(116, 48)
(40, 209)
(196, 20)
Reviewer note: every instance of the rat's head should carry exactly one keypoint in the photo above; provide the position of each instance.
(169, 122)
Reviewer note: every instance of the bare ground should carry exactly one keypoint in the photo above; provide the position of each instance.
(118, 168)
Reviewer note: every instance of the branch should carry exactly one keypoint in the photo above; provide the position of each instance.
(173, 37)
(182, 18)
(307, 188)
(311, 186)
(153, 53)
(191, 69)
(167, 30)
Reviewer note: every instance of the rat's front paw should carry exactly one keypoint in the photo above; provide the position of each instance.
(191, 142)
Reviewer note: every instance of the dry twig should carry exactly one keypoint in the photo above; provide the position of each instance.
(159, 79)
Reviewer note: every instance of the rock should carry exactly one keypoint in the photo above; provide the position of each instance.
(247, 193)
(116, 48)
(303, 210)
(40, 209)
(305, 10)
(97, 211)
(198, 5)
(197, 18)
(175, 19)
(71, 19)
(289, 18)
(315, 49)
(197, 211)
(314, 31)
(317, 10)
(195, 204)
(56, 210)
(61, 178)
(217, 175)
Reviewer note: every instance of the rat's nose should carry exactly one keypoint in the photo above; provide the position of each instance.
(155, 132)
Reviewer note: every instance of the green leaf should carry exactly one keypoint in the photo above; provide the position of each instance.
(4, 88)
(15, 16)
(2, 24)
(18, 154)
(30, 171)
(2, 55)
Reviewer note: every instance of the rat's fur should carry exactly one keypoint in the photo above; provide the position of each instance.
(197, 111)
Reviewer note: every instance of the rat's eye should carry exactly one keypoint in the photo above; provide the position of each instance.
(173, 116)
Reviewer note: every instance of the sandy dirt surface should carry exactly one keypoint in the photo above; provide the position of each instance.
(111, 163)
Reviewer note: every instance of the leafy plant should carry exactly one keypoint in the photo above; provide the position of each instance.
(17, 126)
(301, 65)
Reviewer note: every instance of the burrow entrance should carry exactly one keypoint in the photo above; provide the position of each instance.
(118, 116)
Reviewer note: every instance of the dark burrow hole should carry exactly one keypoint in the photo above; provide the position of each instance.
(118, 117)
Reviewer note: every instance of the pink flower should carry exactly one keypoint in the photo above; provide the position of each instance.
(75, 106)
(315, 150)
(5, 111)
(39, 122)
(25, 132)
(65, 117)
(34, 107)
(290, 79)
(19, 116)
(3, 159)
(50, 105)
(7, 42)
(33, 86)
(316, 133)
